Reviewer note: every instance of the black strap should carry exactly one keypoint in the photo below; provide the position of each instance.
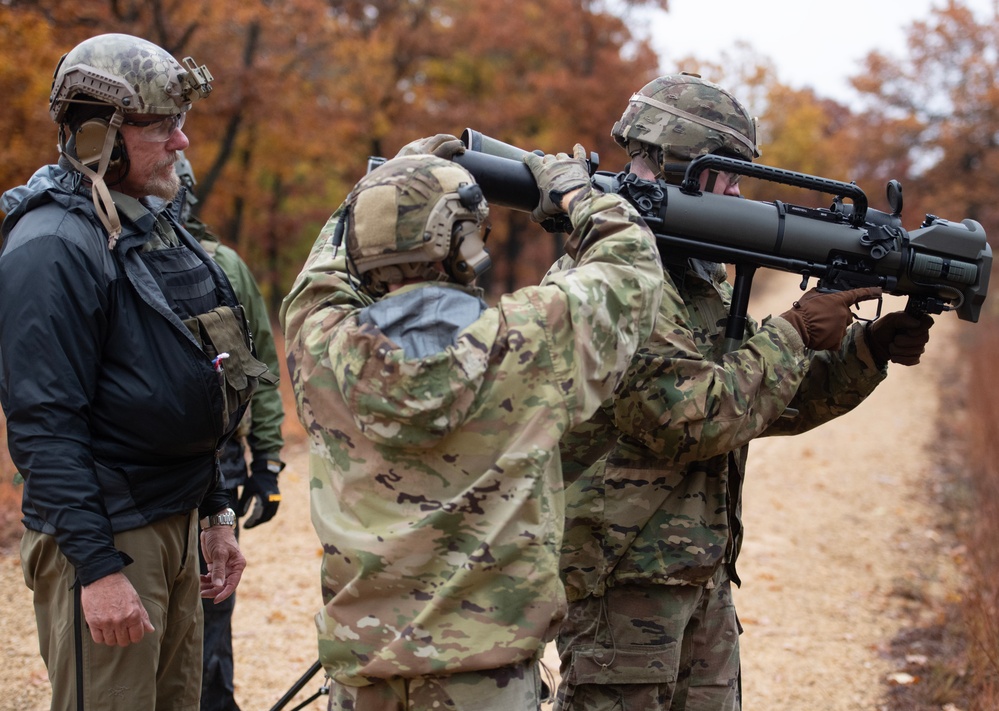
(298, 685)
(734, 524)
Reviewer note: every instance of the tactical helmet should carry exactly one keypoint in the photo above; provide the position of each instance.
(111, 76)
(128, 73)
(410, 213)
(680, 117)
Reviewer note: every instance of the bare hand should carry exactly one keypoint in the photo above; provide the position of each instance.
(225, 562)
(114, 612)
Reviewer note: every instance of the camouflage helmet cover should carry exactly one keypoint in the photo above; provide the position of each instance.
(687, 117)
(129, 73)
(411, 212)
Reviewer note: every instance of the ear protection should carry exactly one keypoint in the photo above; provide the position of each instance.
(468, 257)
(90, 139)
(100, 147)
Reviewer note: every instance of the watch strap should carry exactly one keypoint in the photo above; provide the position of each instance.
(225, 517)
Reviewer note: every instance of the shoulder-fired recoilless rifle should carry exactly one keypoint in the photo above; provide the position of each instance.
(941, 266)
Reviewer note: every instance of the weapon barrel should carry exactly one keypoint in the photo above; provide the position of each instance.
(940, 263)
(505, 182)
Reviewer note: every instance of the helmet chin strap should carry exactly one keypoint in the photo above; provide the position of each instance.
(709, 186)
(654, 158)
(679, 169)
(671, 172)
(103, 203)
(675, 170)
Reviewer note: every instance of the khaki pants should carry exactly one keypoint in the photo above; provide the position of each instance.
(515, 688)
(163, 671)
(652, 648)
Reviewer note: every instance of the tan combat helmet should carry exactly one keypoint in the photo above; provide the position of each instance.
(124, 75)
(678, 117)
(411, 213)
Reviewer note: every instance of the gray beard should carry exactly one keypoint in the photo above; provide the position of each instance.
(166, 188)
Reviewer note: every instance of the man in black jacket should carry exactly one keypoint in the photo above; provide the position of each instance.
(125, 364)
(259, 433)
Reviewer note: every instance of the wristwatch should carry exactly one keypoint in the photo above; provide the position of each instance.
(225, 517)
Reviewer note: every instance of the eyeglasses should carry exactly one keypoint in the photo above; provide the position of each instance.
(158, 130)
(732, 179)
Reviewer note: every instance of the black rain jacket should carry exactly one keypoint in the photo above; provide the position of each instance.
(114, 413)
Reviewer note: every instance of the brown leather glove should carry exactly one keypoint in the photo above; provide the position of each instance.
(823, 317)
(443, 145)
(898, 337)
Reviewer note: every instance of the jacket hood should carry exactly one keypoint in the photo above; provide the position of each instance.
(401, 400)
(47, 184)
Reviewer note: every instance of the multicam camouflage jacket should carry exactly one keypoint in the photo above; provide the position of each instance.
(654, 480)
(436, 482)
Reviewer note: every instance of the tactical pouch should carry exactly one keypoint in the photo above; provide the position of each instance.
(223, 336)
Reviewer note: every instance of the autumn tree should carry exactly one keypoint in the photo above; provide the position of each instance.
(306, 90)
(936, 111)
(251, 49)
(798, 130)
(30, 55)
(508, 69)
(942, 103)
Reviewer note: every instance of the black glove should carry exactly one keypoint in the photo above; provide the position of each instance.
(899, 337)
(557, 175)
(261, 492)
(443, 145)
(823, 317)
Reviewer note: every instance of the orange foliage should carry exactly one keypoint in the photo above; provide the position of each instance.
(306, 90)
(936, 112)
(29, 55)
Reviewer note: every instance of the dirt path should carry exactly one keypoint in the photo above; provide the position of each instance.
(842, 546)
(841, 550)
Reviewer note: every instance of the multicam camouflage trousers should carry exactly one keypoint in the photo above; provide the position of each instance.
(516, 688)
(651, 648)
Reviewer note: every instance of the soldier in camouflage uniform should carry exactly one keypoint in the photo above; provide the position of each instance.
(434, 424)
(116, 393)
(653, 525)
(259, 431)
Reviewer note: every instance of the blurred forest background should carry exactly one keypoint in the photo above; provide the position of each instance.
(307, 90)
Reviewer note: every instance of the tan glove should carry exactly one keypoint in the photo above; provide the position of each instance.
(443, 145)
(823, 317)
(898, 337)
(557, 175)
